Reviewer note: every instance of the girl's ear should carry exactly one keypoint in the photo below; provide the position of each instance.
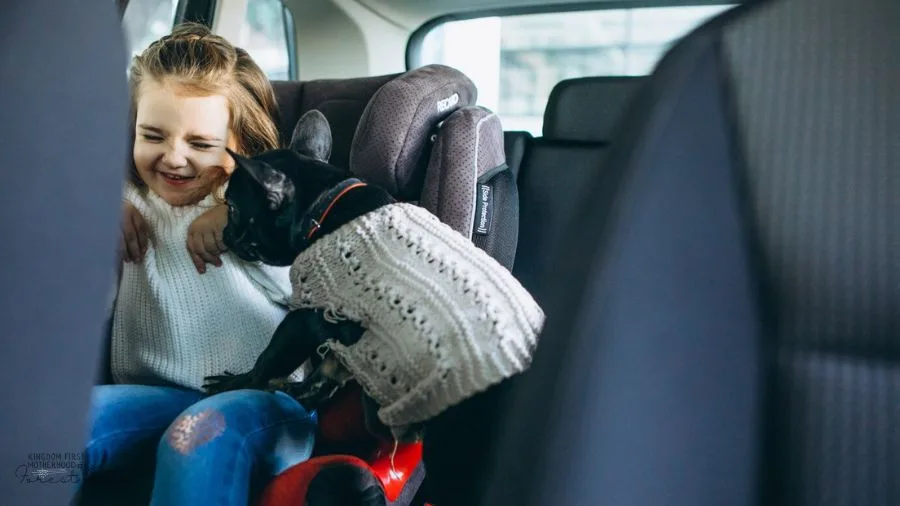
(312, 136)
(278, 187)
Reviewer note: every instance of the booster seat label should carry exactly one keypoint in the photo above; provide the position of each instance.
(448, 102)
(484, 208)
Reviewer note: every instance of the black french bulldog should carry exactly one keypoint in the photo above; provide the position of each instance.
(276, 203)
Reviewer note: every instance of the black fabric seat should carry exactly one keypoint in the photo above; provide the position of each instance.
(342, 101)
(724, 307)
(515, 145)
(579, 123)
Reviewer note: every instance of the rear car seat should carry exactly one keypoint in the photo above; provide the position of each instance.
(579, 124)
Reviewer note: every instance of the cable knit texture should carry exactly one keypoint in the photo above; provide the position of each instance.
(174, 326)
(443, 319)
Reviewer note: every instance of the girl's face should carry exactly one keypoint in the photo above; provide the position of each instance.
(180, 141)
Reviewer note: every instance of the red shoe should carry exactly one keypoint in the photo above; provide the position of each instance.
(290, 487)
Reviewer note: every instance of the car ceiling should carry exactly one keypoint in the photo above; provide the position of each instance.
(411, 14)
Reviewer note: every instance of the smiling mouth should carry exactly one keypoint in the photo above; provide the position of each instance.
(176, 179)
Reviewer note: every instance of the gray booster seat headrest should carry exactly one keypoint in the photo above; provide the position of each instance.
(422, 138)
(391, 144)
(469, 185)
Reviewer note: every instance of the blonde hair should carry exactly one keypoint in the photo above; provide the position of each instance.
(197, 61)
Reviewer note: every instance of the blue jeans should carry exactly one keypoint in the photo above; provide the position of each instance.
(212, 451)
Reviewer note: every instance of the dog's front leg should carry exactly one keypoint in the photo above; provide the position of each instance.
(329, 375)
(294, 341)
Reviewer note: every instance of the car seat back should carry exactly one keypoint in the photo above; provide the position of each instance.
(580, 122)
(727, 333)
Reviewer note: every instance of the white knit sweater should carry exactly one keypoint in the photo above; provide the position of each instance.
(174, 326)
(443, 319)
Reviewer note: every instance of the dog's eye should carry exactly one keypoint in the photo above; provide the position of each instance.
(232, 213)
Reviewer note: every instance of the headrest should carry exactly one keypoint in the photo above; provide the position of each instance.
(342, 101)
(588, 109)
(390, 148)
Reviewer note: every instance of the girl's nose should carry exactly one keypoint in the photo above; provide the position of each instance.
(174, 158)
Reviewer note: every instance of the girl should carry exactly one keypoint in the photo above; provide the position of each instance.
(174, 321)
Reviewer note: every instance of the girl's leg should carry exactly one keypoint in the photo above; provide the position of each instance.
(227, 445)
(127, 421)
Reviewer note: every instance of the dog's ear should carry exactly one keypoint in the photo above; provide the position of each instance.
(278, 187)
(312, 136)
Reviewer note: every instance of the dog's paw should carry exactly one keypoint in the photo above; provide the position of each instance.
(280, 385)
(229, 381)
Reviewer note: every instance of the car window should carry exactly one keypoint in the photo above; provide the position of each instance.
(265, 36)
(516, 60)
(146, 21)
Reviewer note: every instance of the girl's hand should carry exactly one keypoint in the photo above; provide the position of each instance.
(204, 241)
(135, 235)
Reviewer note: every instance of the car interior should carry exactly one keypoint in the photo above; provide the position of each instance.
(698, 194)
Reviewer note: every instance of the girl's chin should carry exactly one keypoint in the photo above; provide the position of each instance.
(184, 196)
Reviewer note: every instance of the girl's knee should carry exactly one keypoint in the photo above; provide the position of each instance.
(231, 418)
(193, 428)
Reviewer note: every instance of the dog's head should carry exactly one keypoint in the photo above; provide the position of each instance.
(268, 194)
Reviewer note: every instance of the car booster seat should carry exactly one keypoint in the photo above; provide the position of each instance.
(419, 136)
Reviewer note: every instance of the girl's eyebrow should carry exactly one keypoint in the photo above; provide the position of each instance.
(151, 128)
(203, 137)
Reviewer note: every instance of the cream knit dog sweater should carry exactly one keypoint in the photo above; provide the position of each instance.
(443, 319)
(174, 326)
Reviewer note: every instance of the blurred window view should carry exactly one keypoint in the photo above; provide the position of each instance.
(264, 36)
(147, 20)
(516, 60)
(264, 33)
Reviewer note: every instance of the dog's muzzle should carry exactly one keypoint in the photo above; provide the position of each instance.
(240, 246)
